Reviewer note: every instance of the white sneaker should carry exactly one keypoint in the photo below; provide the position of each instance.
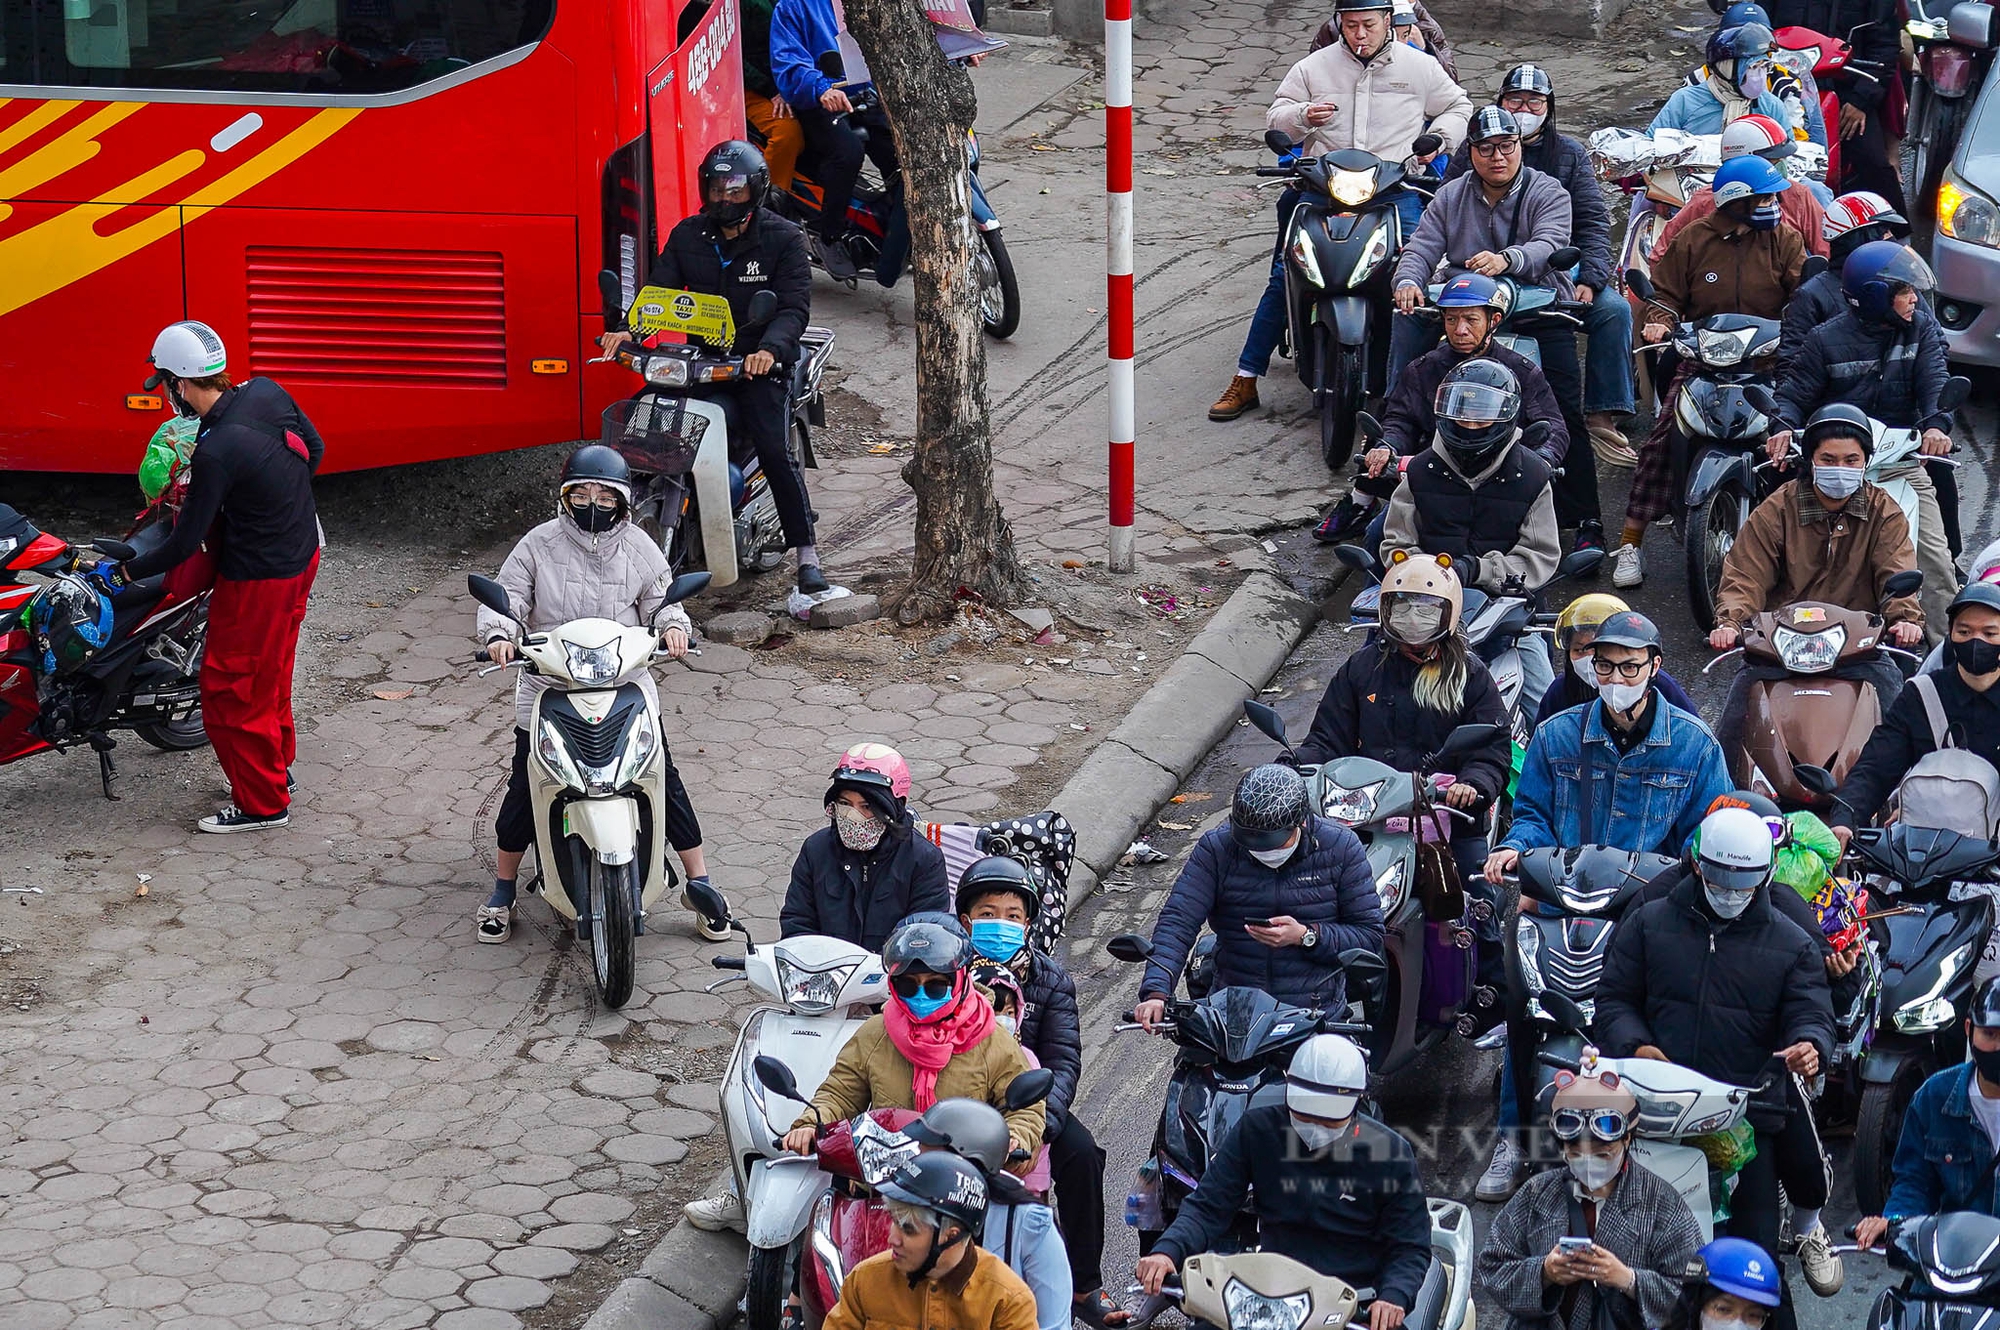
(1503, 1175)
(1823, 1269)
(713, 1214)
(1627, 570)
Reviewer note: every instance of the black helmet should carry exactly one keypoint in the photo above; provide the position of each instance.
(1271, 803)
(1984, 1013)
(996, 872)
(1979, 593)
(1527, 78)
(930, 940)
(968, 1128)
(1842, 421)
(596, 462)
(952, 1188)
(729, 163)
(1629, 629)
(1363, 6)
(1492, 122)
(1478, 405)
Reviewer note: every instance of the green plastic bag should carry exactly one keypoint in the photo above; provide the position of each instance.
(1806, 862)
(166, 453)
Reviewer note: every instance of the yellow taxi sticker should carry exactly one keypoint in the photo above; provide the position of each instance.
(1809, 614)
(658, 309)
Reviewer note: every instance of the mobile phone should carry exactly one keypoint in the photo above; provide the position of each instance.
(1573, 1246)
(1260, 923)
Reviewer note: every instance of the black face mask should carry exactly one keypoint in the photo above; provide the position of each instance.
(1976, 656)
(1988, 1064)
(725, 213)
(178, 402)
(593, 519)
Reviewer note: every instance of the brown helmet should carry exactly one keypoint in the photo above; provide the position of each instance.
(1599, 1104)
(1424, 575)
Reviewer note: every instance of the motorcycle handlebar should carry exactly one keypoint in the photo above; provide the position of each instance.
(1559, 1063)
(1276, 172)
(727, 962)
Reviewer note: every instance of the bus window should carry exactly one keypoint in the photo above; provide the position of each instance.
(326, 47)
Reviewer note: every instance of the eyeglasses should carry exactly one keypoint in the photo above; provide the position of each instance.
(1497, 147)
(1606, 1124)
(936, 987)
(585, 496)
(1624, 669)
(1525, 101)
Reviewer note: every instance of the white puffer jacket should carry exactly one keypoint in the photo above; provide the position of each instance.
(558, 573)
(1382, 106)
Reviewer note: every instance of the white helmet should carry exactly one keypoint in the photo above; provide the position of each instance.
(186, 350)
(1734, 850)
(1327, 1077)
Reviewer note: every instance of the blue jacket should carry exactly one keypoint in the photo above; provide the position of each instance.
(801, 32)
(1648, 800)
(1694, 110)
(1325, 885)
(1943, 1161)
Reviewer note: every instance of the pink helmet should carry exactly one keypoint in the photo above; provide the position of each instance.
(875, 771)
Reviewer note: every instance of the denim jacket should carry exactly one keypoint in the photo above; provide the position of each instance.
(1944, 1161)
(1649, 800)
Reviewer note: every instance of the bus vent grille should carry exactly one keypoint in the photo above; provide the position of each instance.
(378, 317)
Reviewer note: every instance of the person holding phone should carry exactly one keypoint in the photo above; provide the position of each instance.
(1599, 1245)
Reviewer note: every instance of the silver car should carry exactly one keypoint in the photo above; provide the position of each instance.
(1966, 250)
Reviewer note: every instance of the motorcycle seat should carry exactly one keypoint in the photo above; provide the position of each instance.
(134, 603)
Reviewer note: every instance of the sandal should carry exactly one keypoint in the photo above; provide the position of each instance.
(1101, 1310)
(496, 923)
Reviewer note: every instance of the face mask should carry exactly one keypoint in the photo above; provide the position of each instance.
(1273, 858)
(1414, 622)
(1976, 656)
(179, 403)
(1622, 697)
(1530, 123)
(857, 830)
(998, 939)
(1594, 1171)
(1837, 482)
(1728, 903)
(726, 213)
(923, 1007)
(1313, 1135)
(1585, 671)
(1709, 1322)
(1988, 1064)
(1008, 1023)
(593, 519)
(1753, 84)
(1765, 216)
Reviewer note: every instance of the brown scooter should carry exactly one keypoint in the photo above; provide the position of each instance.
(1808, 716)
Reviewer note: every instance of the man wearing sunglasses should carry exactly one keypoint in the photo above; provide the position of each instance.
(1637, 1234)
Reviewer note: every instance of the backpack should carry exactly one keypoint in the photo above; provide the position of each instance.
(1948, 788)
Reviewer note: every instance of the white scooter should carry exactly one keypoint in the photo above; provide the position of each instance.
(821, 990)
(596, 764)
(1261, 1290)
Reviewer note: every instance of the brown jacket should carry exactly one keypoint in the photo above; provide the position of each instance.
(1722, 266)
(1793, 549)
(981, 1294)
(871, 1072)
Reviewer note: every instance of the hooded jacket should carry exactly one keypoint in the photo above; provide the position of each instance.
(1722, 266)
(1793, 549)
(1384, 105)
(981, 1293)
(871, 1072)
(1796, 204)
(1529, 223)
(1567, 162)
(1369, 711)
(1894, 374)
(1535, 548)
(860, 898)
(559, 572)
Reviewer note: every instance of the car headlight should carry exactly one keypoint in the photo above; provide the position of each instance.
(1351, 806)
(1931, 1010)
(1302, 254)
(1528, 944)
(555, 757)
(1250, 1310)
(667, 372)
(1390, 886)
(811, 992)
(1352, 188)
(588, 665)
(1964, 214)
(640, 745)
(1721, 349)
(1809, 653)
(1376, 250)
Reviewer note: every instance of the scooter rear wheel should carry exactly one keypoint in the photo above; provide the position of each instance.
(176, 736)
(999, 292)
(612, 889)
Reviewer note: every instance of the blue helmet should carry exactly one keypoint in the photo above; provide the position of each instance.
(1742, 12)
(1872, 274)
(1747, 177)
(1471, 291)
(1740, 1267)
(1746, 41)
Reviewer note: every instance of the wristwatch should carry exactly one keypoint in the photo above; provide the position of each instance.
(1311, 939)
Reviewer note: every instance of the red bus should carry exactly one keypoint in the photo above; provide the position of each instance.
(396, 208)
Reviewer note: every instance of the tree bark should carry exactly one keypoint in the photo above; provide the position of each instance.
(963, 542)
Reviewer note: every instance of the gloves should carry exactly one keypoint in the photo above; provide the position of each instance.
(111, 576)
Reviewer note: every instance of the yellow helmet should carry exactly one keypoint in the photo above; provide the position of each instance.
(1428, 576)
(1586, 611)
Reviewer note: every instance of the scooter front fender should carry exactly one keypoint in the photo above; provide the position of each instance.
(780, 1199)
(1886, 1058)
(1451, 1240)
(1349, 316)
(1713, 469)
(711, 492)
(610, 827)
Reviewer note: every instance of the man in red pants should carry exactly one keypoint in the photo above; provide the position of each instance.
(250, 497)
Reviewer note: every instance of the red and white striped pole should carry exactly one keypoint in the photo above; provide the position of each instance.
(1118, 270)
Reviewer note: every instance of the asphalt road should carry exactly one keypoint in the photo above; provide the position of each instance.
(1445, 1102)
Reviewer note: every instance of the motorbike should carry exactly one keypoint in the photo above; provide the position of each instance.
(57, 689)
(1855, 1021)
(1431, 986)
(818, 991)
(1815, 58)
(1235, 1044)
(1804, 715)
(1951, 1272)
(596, 778)
(1260, 1290)
(1954, 45)
(1340, 251)
(698, 486)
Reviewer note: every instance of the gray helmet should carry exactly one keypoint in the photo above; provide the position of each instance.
(928, 940)
(1271, 803)
(966, 1127)
(1629, 628)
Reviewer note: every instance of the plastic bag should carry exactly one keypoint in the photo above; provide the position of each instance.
(166, 454)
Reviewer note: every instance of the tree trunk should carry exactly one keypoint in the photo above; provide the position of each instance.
(963, 540)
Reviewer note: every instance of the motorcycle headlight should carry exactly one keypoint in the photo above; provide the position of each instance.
(640, 744)
(667, 372)
(880, 1151)
(1250, 1310)
(1302, 254)
(1964, 214)
(1528, 945)
(1809, 653)
(811, 992)
(1371, 256)
(555, 757)
(825, 1249)
(1688, 416)
(1713, 1122)
(1352, 188)
(1931, 1010)
(1351, 806)
(1390, 887)
(1722, 349)
(589, 665)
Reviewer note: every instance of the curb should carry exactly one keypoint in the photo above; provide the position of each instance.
(694, 1280)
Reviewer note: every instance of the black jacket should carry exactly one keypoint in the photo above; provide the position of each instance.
(1465, 521)
(249, 489)
(1905, 735)
(1052, 1031)
(1872, 27)
(1368, 711)
(1355, 1210)
(836, 892)
(770, 255)
(1788, 903)
(1568, 161)
(1816, 301)
(1409, 416)
(1894, 374)
(1720, 996)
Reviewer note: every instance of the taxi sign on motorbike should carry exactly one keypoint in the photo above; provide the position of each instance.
(659, 309)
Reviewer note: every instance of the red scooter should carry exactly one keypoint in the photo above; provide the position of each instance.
(1826, 57)
(76, 665)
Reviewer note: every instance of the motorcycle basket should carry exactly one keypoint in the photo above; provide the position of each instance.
(654, 434)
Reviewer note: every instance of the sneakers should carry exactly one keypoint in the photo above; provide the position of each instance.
(715, 931)
(1240, 397)
(1609, 442)
(1502, 1177)
(1823, 1269)
(812, 581)
(231, 818)
(1627, 570)
(714, 1214)
(1589, 536)
(839, 264)
(1344, 519)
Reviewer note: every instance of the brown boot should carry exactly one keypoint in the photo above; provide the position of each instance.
(1241, 397)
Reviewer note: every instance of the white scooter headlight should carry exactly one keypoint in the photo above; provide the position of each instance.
(1302, 254)
(1809, 653)
(1390, 886)
(555, 757)
(811, 992)
(640, 745)
(667, 372)
(592, 665)
(1250, 1310)
(1353, 807)
(1528, 944)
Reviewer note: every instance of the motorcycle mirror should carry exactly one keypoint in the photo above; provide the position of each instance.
(708, 902)
(1030, 1087)
(1638, 284)
(830, 64)
(1565, 1012)
(1268, 722)
(1817, 779)
(613, 294)
(1355, 557)
(1956, 389)
(1580, 563)
(1277, 141)
(1906, 583)
(490, 594)
(1762, 398)
(687, 584)
(117, 549)
(776, 1077)
(1814, 265)
(763, 308)
(1465, 738)
(1565, 258)
(1371, 428)
(1130, 947)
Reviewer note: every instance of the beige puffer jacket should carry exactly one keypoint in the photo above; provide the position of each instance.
(1382, 106)
(558, 573)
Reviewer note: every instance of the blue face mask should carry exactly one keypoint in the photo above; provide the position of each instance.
(922, 1006)
(1765, 216)
(998, 939)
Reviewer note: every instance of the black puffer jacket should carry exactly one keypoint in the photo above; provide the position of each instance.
(1720, 996)
(1786, 902)
(1052, 1031)
(1894, 374)
(1368, 711)
(836, 892)
(1817, 300)
(1568, 161)
(770, 255)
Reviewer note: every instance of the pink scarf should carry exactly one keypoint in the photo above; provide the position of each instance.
(930, 1045)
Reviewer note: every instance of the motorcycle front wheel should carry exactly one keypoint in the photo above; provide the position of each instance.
(772, 1273)
(1877, 1129)
(999, 293)
(612, 892)
(1342, 378)
(1708, 535)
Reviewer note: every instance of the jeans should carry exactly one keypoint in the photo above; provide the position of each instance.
(1076, 1175)
(1267, 325)
(836, 159)
(1537, 671)
(1607, 365)
(761, 408)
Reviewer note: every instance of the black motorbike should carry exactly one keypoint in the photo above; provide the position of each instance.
(1951, 1269)
(1235, 1044)
(1954, 41)
(1340, 252)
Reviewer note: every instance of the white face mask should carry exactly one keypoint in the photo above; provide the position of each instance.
(1709, 1322)
(1838, 482)
(1585, 671)
(1595, 1171)
(1622, 697)
(1414, 622)
(1728, 904)
(1530, 123)
(1314, 1136)
(1273, 858)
